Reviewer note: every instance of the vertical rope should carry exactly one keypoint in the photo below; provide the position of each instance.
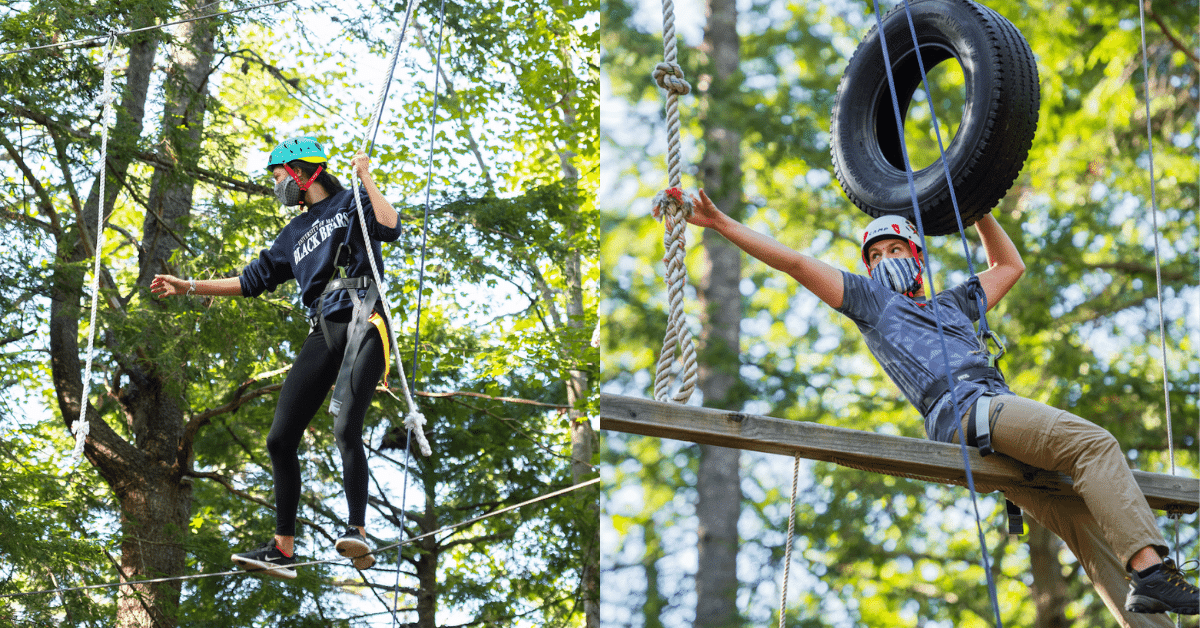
(414, 421)
(787, 552)
(908, 172)
(1162, 325)
(81, 427)
(673, 208)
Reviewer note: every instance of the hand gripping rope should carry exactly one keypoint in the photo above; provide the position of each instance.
(81, 427)
(673, 207)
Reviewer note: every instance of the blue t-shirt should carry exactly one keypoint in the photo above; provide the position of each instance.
(306, 249)
(902, 334)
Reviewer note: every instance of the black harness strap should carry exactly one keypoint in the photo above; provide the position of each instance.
(941, 386)
(356, 334)
(979, 428)
(359, 327)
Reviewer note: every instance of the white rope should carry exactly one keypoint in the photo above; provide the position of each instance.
(241, 572)
(414, 421)
(673, 207)
(1162, 325)
(787, 552)
(81, 427)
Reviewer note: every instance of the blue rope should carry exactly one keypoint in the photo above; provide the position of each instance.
(958, 411)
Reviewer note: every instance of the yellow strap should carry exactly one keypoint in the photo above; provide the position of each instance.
(377, 320)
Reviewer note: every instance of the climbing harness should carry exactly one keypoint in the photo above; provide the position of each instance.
(81, 427)
(673, 207)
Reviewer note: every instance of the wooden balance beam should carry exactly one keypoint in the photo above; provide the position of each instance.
(879, 453)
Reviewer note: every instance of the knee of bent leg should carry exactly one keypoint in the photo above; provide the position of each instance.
(1088, 439)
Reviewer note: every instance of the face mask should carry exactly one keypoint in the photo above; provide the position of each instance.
(287, 192)
(900, 274)
(290, 191)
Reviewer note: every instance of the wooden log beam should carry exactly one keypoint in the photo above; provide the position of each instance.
(880, 453)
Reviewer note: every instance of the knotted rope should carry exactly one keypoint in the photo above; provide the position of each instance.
(673, 207)
(81, 427)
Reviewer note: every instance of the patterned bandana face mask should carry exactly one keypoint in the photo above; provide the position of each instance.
(287, 192)
(900, 274)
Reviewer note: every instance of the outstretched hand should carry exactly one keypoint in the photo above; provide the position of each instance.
(704, 212)
(168, 285)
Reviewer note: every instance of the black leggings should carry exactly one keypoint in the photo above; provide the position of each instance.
(304, 392)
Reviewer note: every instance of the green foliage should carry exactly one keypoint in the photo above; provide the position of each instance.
(514, 169)
(1082, 325)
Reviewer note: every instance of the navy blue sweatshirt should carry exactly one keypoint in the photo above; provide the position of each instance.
(306, 248)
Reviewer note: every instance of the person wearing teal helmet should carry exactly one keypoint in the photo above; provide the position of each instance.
(347, 340)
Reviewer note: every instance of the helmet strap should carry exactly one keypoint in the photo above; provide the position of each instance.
(304, 185)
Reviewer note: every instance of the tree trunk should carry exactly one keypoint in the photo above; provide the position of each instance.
(170, 200)
(427, 561)
(145, 475)
(1049, 587)
(155, 498)
(718, 482)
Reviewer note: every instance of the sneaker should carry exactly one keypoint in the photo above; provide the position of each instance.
(268, 560)
(1162, 589)
(352, 544)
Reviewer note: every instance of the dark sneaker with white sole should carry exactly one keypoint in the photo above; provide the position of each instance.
(267, 560)
(352, 544)
(1162, 589)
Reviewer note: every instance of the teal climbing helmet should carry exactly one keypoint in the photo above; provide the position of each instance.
(303, 148)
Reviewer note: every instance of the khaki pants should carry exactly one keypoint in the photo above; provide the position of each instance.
(1111, 520)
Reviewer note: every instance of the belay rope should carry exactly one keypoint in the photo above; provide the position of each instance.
(908, 172)
(414, 421)
(1162, 325)
(673, 207)
(81, 427)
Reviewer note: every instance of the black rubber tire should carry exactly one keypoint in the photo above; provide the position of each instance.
(993, 139)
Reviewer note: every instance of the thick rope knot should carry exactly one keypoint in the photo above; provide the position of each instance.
(669, 76)
(673, 207)
(415, 422)
(672, 204)
(81, 428)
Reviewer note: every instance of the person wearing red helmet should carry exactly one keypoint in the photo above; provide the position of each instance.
(1111, 529)
(347, 340)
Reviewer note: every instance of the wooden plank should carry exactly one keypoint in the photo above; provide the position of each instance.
(879, 453)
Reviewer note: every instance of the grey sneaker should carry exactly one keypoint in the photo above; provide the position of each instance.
(267, 560)
(1162, 589)
(353, 545)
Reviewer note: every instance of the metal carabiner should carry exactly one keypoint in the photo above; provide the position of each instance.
(996, 339)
